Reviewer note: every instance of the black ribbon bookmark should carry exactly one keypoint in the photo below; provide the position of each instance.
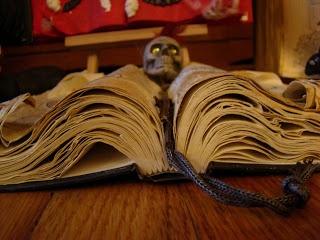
(296, 194)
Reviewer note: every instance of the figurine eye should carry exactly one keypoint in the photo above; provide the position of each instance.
(312, 63)
(173, 50)
(155, 50)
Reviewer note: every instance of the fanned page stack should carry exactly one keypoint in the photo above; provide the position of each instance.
(112, 125)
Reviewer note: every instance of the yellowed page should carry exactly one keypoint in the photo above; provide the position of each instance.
(221, 116)
(117, 110)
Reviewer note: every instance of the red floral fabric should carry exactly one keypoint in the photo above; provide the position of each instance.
(89, 16)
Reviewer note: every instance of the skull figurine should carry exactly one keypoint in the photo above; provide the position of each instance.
(162, 60)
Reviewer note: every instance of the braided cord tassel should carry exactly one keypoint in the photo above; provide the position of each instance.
(294, 188)
(296, 192)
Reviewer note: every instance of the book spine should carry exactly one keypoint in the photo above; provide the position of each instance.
(233, 169)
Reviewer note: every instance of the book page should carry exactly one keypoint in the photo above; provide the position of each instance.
(220, 116)
(117, 110)
(101, 157)
(21, 115)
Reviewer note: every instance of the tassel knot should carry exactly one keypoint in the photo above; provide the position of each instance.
(295, 186)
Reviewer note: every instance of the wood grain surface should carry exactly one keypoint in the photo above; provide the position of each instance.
(132, 209)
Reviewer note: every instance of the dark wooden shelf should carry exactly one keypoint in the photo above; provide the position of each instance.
(224, 46)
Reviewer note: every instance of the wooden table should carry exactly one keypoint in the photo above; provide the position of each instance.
(131, 209)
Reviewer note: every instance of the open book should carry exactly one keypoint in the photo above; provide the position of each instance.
(112, 125)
